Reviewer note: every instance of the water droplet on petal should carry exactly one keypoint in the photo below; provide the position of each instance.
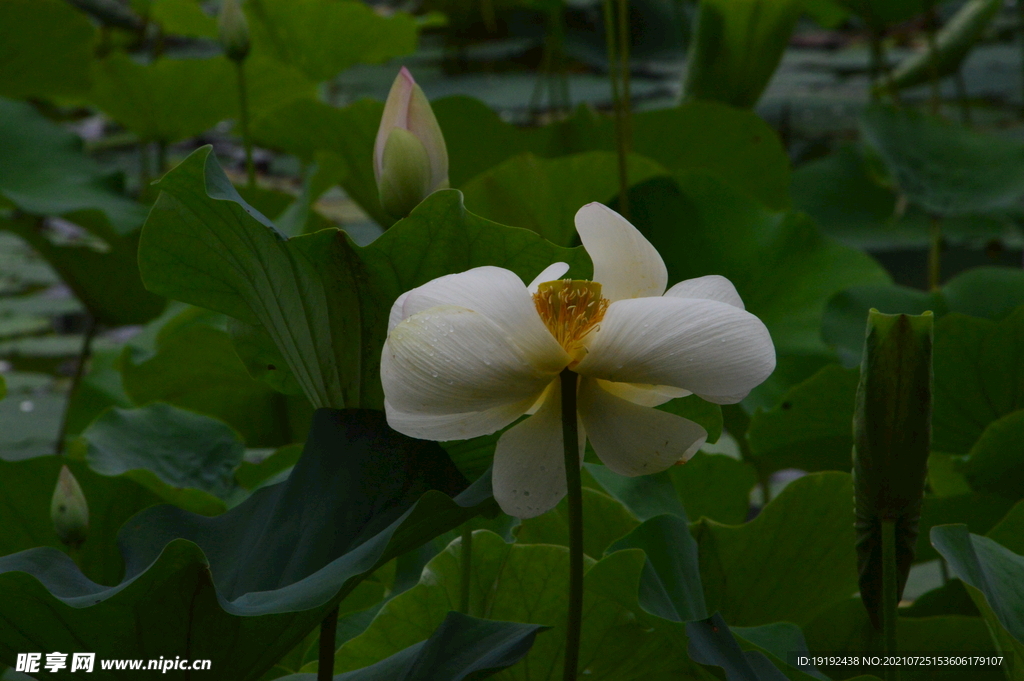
(434, 374)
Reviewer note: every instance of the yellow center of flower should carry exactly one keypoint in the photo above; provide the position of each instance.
(572, 310)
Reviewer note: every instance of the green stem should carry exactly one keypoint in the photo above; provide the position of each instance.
(466, 558)
(328, 634)
(1020, 31)
(570, 440)
(613, 77)
(935, 255)
(933, 59)
(243, 119)
(76, 380)
(624, 73)
(889, 597)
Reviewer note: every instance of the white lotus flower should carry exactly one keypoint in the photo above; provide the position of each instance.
(467, 354)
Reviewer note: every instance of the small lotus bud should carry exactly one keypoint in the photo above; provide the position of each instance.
(233, 30)
(413, 163)
(69, 510)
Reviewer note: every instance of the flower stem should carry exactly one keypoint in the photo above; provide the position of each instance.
(328, 632)
(466, 558)
(570, 440)
(243, 119)
(889, 598)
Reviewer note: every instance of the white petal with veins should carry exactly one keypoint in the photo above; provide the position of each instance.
(498, 294)
(704, 346)
(460, 426)
(711, 287)
(529, 462)
(450, 360)
(633, 440)
(625, 263)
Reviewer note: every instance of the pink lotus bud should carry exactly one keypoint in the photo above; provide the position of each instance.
(410, 159)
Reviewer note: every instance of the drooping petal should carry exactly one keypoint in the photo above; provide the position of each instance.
(455, 426)
(396, 113)
(634, 440)
(735, 398)
(710, 287)
(643, 394)
(528, 477)
(625, 263)
(450, 360)
(498, 294)
(705, 346)
(549, 273)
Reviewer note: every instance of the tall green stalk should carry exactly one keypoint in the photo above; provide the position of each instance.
(933, 59)
(243, 119)
(889, 597)
(614, 68)
(570, 440)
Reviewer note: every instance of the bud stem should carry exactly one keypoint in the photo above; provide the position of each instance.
(889, 598)
(328, 633)
(570, 440)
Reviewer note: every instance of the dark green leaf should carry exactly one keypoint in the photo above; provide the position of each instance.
(670, 585)
(182, 457)
(45, 49)
(945, 168)
(995, 464)
(978, 377)
(844, 628)
(544, 194)
(949, 599)
(770, 569)
(604, 521)
(312, 129)
(990, 292)
(714, 486)
(258, 577)
(171, 99)
(782, 267)
(324, 37)
(891, 442)
(462, 647)
(45, 173)
(811, 428)
(712, 642)
(997, 575)
(980, 512)
(196, 368)
(528, 583)
(252, 475)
